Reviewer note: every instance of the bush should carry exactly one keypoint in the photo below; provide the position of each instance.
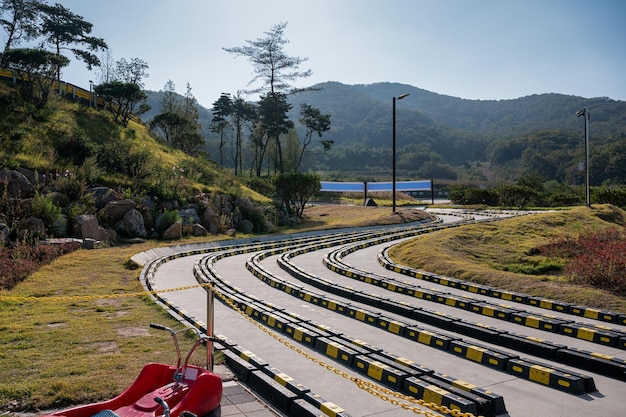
(18, 262)
(165, 220)
(44, 208)
(595, 259)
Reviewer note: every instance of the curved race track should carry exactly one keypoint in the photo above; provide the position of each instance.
(339, 304)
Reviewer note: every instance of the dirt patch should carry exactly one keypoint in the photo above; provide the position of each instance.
(133, 332)
(351, 216)
(107, 347)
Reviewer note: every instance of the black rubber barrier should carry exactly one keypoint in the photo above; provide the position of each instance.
(549, 376)
(387, 375)
(496, 400)
(532, 346)
(590, 334)
(272, 391)
(594, 362)
(480, 332)
(595, 314)
(480, 354)
(433, 394)
(483, 406)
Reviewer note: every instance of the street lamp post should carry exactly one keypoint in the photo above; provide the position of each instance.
(585, 114)
(393, 181)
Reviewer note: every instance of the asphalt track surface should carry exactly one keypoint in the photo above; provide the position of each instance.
(521, 395)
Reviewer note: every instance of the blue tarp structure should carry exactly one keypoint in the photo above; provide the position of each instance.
(359, 187)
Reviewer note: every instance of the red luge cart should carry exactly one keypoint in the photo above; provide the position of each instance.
(161, 390)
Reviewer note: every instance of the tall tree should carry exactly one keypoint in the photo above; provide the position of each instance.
(36, 67)
(65, 30)
(315, 122)
(178, 120)
(273, 109)
(222, 109)
(170, 103)
(243, 113)
(276, 70)
(133, 71)
(20, 20)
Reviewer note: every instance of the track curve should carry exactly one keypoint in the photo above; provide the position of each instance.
(376, 340)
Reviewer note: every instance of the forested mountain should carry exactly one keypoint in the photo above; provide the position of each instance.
(453, 139)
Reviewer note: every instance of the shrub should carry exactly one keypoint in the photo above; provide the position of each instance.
(45, 209)
(595, 259)
(165, 220)
(18, 262)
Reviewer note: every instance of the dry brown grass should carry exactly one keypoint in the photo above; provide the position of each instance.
(486, 253)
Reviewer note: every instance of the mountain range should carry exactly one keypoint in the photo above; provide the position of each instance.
(449, 137)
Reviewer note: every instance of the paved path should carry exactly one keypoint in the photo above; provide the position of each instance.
(522, 397)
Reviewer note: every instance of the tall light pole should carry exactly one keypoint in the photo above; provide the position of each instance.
(393, 181)
(585, 114)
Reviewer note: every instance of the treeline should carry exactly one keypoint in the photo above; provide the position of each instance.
(534, 191)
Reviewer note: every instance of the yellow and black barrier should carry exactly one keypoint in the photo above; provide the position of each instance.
(590, 334)
(480, 354)
(433, 394)
(301, 334)
(601, 363)
(338, 351)
(491, 310)
(496, 400)
(601, 315)
(549, 324)
(381, 372)
(483, 406)
(329, 408)
(549, 304)
(548, 376)
(392, 326)
(415, 368)
(429, 338)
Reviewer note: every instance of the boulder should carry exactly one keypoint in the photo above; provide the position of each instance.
(132, 225)
(245, 226)
(17, 185)
(114, 211)
(102, 196)
(198, 230)
(31, 228)
(189, 216)
(175, 231)
(86, 226)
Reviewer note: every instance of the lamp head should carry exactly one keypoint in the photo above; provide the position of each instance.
(401, 96)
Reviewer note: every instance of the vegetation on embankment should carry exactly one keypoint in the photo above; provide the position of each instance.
(505, 254)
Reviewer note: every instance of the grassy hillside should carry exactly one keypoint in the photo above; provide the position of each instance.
(504, 254)
(70, 137)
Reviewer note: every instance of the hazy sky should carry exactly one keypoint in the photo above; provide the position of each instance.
(473, 49)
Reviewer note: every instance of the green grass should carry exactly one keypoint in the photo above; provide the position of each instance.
(85, 349)
(498, 254)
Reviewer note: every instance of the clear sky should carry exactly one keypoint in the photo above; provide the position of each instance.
(473, 49)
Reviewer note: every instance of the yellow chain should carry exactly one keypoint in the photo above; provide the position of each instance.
(96, 297)
(374, 389)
